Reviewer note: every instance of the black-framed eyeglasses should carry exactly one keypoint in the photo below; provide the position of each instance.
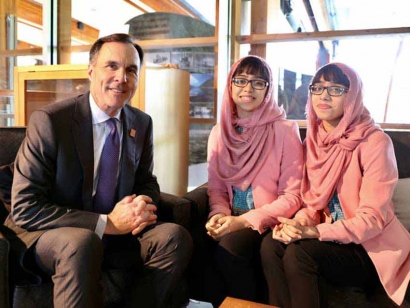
(332, 91)
(256, 84)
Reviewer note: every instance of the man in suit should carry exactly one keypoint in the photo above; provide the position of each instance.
(71, 231)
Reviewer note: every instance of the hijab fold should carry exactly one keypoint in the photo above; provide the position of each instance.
(241, 155)
(327, 155)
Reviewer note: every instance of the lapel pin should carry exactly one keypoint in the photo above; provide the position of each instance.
(133, 132)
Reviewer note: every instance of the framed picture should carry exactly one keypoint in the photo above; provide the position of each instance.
(184, 60)
(204, 62)
(158, 57)
(201, 95)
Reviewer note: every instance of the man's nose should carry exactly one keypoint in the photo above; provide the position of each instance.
(121, 75)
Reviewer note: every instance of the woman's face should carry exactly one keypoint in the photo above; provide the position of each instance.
(247, 98)
(328, 108)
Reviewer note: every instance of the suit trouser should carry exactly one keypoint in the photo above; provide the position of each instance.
(149, 265)
(297, 273)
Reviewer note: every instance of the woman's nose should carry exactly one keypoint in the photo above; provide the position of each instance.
(325, 94)
(249, 87)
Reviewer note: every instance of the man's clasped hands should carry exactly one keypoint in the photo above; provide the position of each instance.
(132, 214)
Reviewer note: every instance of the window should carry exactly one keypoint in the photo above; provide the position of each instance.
(300, 36)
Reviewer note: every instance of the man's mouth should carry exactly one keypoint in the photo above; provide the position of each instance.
(117, 90)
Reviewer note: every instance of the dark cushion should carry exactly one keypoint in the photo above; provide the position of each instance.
(6, 180)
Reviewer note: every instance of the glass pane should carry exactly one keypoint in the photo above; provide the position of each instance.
(382, 63)
(42, 92)
(6, 109)
(286, 16)
(198, 141)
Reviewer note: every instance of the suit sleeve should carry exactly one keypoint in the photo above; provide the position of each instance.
(34, 179)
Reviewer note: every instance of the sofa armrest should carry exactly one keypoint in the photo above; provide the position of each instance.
(199, 203)
(174, 209)
(4, 264)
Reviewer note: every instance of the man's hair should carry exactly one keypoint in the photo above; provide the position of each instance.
(117, 37)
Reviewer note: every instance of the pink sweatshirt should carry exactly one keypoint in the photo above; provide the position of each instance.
(365, 191)
(275, 189)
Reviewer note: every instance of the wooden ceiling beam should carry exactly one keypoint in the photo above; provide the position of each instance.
(32, 13)
(174, 6)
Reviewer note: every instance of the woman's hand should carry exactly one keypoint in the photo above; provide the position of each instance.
(291, 230)
(220, 225)
(213, 224)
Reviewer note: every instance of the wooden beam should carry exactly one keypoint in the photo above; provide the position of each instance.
(130, 2)
(162, 44)
(21, 52)
(179, 43)
(30, 11)
(259, 24)
(87, 34)
(63, 31)
(236, 22)
(323, 35)
(175, 6)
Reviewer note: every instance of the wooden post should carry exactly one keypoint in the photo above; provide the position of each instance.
(64, 32)
(7, 8)
(259, 25)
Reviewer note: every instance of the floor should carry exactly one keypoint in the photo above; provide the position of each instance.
(197, 304)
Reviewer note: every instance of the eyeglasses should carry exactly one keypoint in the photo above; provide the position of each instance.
(256, 84)
(332, 91)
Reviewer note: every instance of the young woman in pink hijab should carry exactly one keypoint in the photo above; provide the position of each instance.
(254, 172)
(347, 232)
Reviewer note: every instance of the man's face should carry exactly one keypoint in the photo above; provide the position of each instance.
(114, 76)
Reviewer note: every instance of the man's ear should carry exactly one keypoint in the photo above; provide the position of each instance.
(90, 71)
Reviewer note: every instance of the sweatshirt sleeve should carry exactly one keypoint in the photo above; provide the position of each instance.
(217, 189)
(376, 186)
(288, 201)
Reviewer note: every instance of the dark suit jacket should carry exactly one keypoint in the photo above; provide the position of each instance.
(54, 170)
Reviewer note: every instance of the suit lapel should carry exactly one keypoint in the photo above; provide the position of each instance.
(83, 139)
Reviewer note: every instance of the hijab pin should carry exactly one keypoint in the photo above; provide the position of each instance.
(239, 129)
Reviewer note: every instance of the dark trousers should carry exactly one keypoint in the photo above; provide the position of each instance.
(141, 271)
(297, 273)
(230, 267)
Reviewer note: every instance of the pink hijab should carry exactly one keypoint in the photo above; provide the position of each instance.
(328, 154)
(240, 156)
